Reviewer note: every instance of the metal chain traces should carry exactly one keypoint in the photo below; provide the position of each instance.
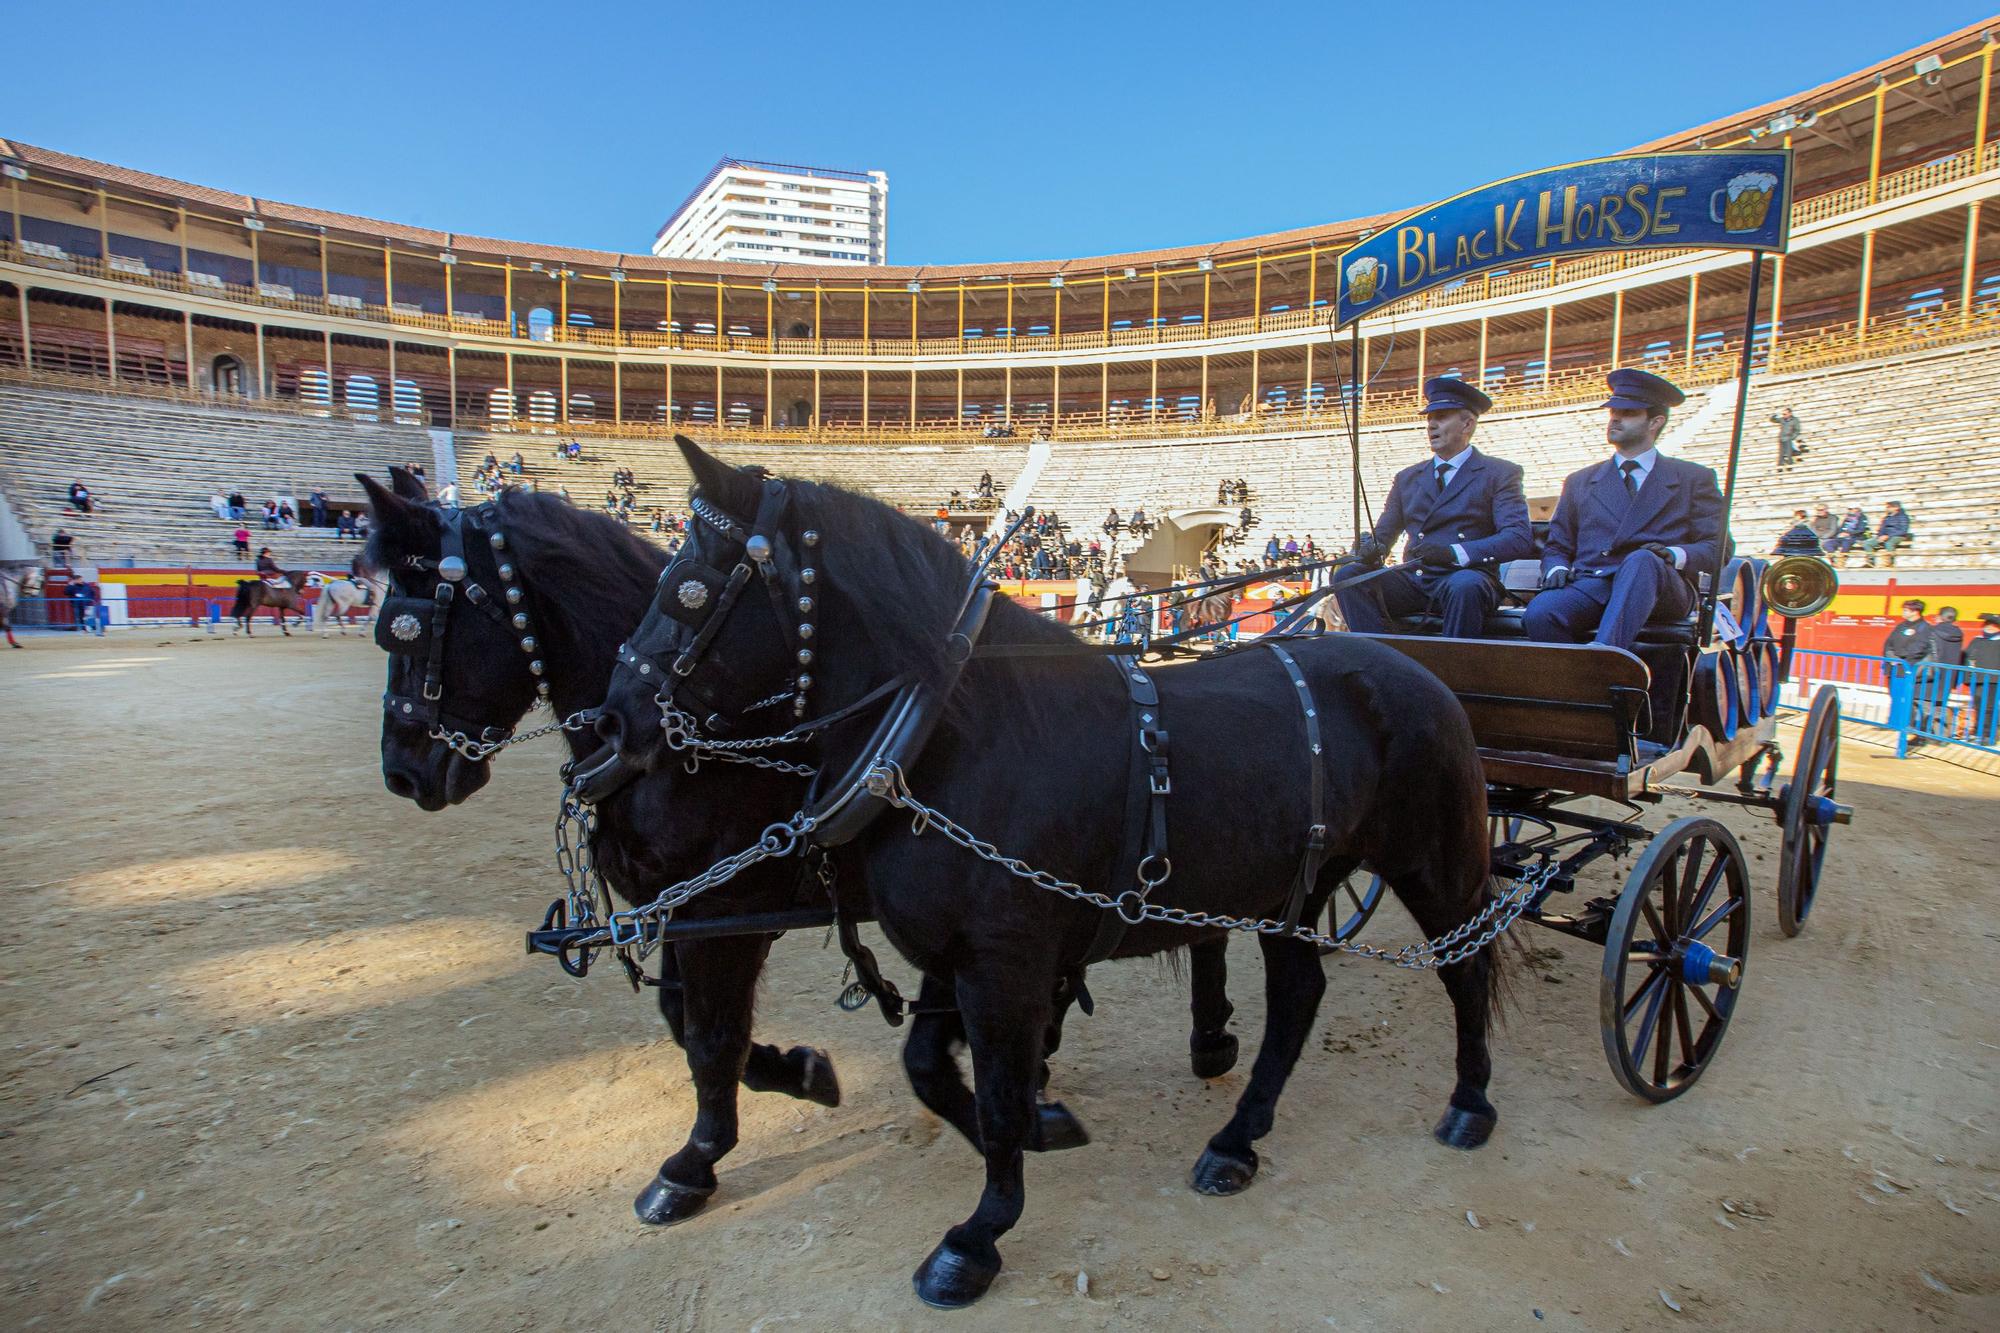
(682, 735)
(627, 930)
(885, 780)
(478, 750)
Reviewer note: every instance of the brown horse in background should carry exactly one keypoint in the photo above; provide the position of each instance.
(254, 594)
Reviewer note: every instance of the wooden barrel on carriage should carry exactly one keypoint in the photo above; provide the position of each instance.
(1717, 701)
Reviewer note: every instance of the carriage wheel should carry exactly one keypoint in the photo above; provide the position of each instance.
(1348, 910)
(1673, 959)
(1807, 810)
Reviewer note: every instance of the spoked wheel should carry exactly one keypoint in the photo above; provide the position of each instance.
(1809, 811)
(1673, 959)
(1348, 910)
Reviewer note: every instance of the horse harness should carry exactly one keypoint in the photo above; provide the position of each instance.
(416, 627)
(696, 597)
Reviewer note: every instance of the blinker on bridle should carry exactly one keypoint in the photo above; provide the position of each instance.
(406, 626)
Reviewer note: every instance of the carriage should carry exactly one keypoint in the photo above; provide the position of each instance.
(1564, 730)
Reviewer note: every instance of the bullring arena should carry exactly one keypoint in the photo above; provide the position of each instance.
(279, 1059)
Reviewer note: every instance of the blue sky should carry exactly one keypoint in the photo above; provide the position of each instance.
(1022, 130)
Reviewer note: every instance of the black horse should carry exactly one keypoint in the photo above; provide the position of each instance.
(252, 595)
(882, 596)
(584, 579)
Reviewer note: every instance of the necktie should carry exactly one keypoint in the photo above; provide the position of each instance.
(1443, 472)
(1631, 469)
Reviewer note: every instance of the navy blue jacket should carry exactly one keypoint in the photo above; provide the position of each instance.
(1895, 523)
(1483, 511)
(1597, 523)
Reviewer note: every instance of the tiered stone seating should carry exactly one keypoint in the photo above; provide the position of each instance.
(154, 463)
(916, 479)
(1903, 429)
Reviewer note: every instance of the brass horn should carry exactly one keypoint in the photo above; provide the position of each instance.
(1799, 582)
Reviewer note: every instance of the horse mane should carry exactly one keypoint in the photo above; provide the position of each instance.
(579, 551)
(904, 581)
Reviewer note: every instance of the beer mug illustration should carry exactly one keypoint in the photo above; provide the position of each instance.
(1748, 200)
(1363, 276)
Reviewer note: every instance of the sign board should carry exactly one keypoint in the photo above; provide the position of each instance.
(1709, 200)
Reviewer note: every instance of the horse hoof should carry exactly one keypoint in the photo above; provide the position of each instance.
(950, 1279)
(817, 1083)
(663, 1203)
(1056, 1129)
(1222, 1173)
(1464, 1129)
(1212, 1056)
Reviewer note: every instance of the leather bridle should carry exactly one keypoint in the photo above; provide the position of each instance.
(415, 625)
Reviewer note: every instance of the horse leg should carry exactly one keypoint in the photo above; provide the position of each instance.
(930, 1059)
(1211, 1046)
(719, 990)
(1293, 985)
(1469, 1120)
(1005, 1017)
(805, 1072)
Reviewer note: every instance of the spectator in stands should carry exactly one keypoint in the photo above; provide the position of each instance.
(1112, 522)
(986, 485)
(361, 526)
(79, 497)
(1139, 523)
(1789, 448)
(1291, 549)
(61, 547)
(516, 463)
(610, 501)
(1223, 491)
(219, 503)
(270, 515)
(1244, 517)
(346, 528)
(417, 471)
(1274, 551)
(1894, 532)
(239, 508)
(1307, 549)
(242, 540)
(1242, 491)
(288, 517)
(1852, 529)
(318, 502)
(448, 496)
(1824, 525)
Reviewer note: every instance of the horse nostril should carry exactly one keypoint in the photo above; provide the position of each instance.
(611, 727)
(401, 784)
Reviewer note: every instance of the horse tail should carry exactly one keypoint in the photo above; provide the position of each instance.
(241, 607)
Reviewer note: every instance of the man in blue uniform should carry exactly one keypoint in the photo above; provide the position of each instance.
(1465, 513)
(1630, 535)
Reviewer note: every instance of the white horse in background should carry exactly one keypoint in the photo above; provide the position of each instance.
(346, 596)
(14, 585)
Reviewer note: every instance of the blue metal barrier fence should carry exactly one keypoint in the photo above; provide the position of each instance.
(1922, 702)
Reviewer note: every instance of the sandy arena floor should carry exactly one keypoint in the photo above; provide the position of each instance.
(276, 1060)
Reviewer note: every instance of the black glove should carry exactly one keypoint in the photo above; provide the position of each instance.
(1434, 555)
(1662, 550)
(1367, 551)
(1556, 578)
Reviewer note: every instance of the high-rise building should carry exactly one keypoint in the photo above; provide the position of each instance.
(773, 212)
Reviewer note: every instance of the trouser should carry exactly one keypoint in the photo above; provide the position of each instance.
(1463, 598)
(1889, 544)
(1611, 610)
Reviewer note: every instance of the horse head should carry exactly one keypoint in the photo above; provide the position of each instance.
(788, 599)
(485, 612)
(453, 667)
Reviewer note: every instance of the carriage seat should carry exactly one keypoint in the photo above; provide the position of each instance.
(1505, 623)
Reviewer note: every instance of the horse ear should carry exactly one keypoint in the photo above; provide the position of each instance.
(407, 484)
(392, 511)
(730, 487)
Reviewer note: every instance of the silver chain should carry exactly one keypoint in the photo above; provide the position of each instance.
(478, 750)
(682, 734)
(626, 930)
(885, 780)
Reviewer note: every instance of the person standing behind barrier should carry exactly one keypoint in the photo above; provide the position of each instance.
(1913, 644)
(1464, 511)
(1983, 655)
(1630, 535)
